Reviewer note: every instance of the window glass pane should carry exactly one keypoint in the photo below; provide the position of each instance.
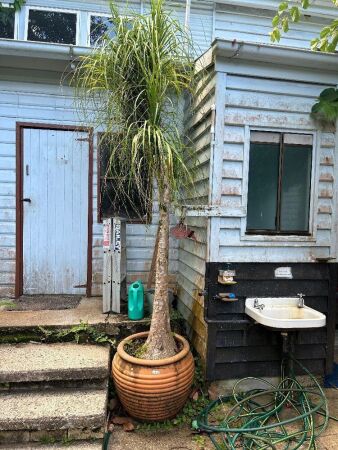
(52, 26)
(296, 184)
(7, 20)
(99, 25)
(111, 203)
(263, 186)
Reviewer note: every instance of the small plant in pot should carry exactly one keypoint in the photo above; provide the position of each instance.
(135, 82)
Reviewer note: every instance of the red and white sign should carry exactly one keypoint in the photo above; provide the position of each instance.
(106, 233)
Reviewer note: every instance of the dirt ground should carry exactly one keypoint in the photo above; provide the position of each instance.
(183, 439)
(45, 302)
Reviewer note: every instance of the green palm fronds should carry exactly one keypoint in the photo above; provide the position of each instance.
(132, 86)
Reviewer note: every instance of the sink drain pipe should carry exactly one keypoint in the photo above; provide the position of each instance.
(287, 416)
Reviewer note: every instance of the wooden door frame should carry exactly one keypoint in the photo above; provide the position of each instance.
(20, 127)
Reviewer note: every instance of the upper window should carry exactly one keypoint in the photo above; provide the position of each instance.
(52, 26)
(279, 183)
(110, 203)
(99, 25)
(7, 23)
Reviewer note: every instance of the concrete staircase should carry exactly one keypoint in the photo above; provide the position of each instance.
(52, 395)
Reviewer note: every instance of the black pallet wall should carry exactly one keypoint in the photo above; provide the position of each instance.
(238, 347)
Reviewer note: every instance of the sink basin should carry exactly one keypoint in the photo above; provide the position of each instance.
(283, 313)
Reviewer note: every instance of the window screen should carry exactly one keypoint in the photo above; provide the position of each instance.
(52, 26)
(7, 21)
(279, 183)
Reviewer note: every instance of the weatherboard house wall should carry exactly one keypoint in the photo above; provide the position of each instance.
(239, 91)
(260, 88)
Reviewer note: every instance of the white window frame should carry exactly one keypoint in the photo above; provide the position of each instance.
(312, 237)
(16, 23)
(60, 10)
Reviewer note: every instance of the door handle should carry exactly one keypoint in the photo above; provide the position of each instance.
(28, 200)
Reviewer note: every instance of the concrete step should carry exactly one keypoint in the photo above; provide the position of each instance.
(27, 364)
(49, 416)
(76, 446)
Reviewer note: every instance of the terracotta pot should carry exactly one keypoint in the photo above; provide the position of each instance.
(153, 390)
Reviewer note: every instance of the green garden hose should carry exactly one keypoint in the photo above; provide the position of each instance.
(287, 416)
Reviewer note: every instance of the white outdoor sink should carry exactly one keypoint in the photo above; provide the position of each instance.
(283, 313)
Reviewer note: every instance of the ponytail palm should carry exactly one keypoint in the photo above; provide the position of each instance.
(133, 83)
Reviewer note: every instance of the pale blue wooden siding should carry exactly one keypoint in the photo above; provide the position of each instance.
(193, 253)
(242, 21)
(49, 103)
(55, 225)
(280, 105)
(201, 18)
(31, 95)
(252, 24)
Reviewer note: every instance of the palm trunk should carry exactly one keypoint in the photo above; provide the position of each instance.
(160, 343)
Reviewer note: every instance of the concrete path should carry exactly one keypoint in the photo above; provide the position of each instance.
(183, 439)
(89, 311)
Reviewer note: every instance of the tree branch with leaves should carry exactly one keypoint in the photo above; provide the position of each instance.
(327, 40)
(326, 108)
(16, 5)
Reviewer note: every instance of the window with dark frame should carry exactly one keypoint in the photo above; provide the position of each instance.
(7, 23)
(279, 183)
(109, 204)
(57, 27)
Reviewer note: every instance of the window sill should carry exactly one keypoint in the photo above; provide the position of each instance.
(278, 237)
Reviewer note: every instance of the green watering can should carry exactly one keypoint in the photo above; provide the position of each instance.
(136, 301)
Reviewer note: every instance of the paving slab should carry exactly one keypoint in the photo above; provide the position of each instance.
(78, 446)
(53, 410)
(89, 311)
(45, 362)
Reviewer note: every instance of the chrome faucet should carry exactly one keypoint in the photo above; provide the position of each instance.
(258, 306)
(300, 300)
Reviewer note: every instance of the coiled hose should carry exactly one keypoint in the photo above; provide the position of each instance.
(287, 416)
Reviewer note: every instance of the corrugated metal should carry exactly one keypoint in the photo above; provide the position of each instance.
(47, 103)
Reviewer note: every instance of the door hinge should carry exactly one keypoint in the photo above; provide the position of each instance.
(80, 286)
(82, 139)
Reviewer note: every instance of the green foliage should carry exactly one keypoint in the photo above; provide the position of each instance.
(16, 5)
(200, 441)
(47, 440)
(130, 86)
(328, 38)
(82, 333)
(136, 348)
(327, 41)
(327, 106)
(7, 304)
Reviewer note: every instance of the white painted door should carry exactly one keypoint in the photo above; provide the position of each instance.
(55, 217)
